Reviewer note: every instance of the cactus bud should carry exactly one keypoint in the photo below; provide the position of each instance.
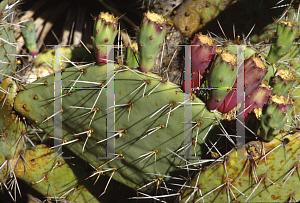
(150, 38)
(105, 32)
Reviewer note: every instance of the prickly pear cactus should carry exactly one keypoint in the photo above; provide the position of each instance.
(131, 134)
(52, 176)
(142, 141)
(266, 173)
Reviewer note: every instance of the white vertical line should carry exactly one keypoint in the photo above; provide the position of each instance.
(240, 100)
(57, 102)
(188, 133)
(110, 100)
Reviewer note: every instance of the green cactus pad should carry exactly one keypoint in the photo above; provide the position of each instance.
(193, 15)
(28, 32)
(137, 135)
(52, 177)
(267, 173)
(7, 50)
(11, 130)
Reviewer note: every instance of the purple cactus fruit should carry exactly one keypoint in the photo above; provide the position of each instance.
(257, 99)
(202, 54)
(254, 73)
